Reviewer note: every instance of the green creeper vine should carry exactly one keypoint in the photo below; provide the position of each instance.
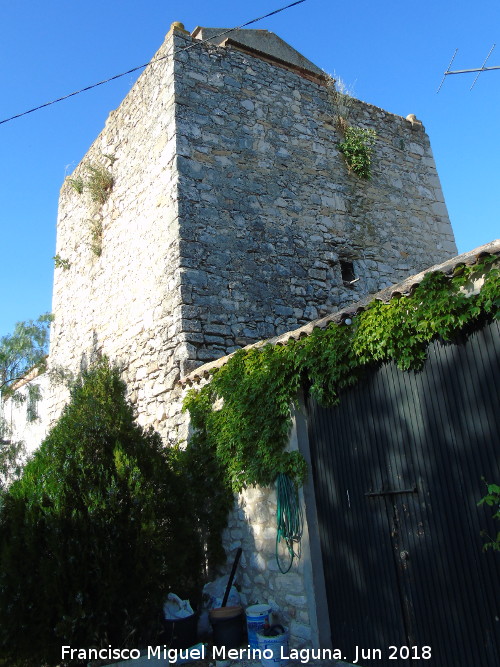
(250, 430)
(244, 414)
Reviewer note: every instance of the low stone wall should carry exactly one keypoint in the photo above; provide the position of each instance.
(252, 526)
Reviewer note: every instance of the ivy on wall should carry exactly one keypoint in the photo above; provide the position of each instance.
(244, 414)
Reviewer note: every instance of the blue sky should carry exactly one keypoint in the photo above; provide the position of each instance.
(391, 54)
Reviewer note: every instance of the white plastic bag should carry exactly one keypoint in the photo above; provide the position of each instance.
(175, 608)
(213, 593)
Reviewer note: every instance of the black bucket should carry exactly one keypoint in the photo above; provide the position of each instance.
(181, 632)
(227, 626)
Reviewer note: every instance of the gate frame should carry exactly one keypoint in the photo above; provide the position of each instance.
(314, 577)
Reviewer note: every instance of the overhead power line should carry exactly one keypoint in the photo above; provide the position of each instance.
(152, 62)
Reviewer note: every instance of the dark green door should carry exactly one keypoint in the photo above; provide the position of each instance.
(398, 469)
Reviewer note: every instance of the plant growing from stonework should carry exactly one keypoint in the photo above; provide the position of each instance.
(340, 96)
(357, 148)
(95, 225)
(357, 143)
(61, 263)
(244, 414)
(77, 184)
(98, 182)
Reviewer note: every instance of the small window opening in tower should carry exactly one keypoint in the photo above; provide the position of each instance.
(347, 271)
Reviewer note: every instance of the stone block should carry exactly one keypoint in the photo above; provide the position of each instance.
(310, 313)
(257, 562)
(291, 582)
(220, 329)
(248, 105)
(272, 565)
(296, 600)
(236, 533)
(300, 630)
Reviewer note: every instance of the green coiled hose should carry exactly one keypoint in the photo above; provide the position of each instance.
(289, 519)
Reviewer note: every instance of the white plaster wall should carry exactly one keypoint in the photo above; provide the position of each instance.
(31, 433)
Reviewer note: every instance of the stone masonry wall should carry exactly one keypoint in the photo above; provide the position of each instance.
(252, 525)
(268, 207)
(230, 210)
(293, 594)
(127, 302)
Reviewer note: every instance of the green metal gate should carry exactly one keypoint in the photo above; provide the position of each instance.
(398, 469)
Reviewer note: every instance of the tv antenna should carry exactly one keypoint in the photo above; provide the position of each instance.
(464, 71)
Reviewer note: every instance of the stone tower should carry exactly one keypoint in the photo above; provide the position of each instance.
(227, 214)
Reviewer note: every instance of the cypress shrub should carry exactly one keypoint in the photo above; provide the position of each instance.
(95, 533)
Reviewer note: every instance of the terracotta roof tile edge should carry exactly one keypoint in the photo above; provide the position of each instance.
(31, 375)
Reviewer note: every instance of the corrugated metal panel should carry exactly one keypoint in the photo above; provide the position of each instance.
(405, 567)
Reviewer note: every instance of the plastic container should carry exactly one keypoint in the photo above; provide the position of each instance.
(258, 618)
(227, 626)
(181, 632)
(276, 645)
